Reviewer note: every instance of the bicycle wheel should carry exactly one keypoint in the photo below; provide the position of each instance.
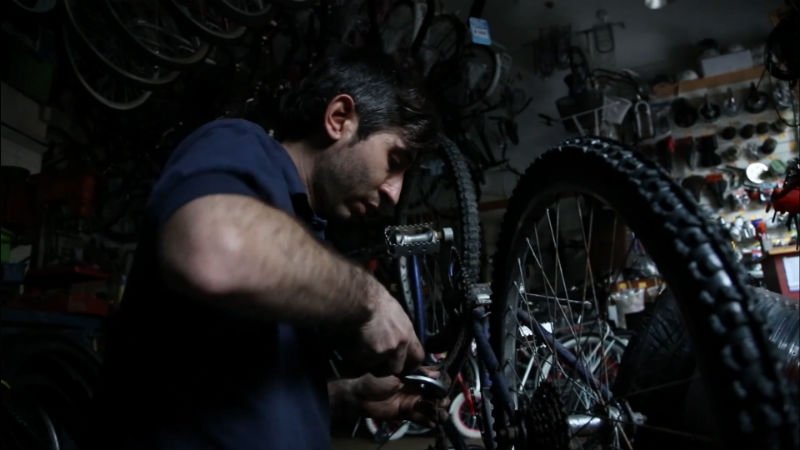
(150, 28)
(207, 20)
(249, 12)
(591, 218)
(383, 431)
(661, 354)
(601, 354)
(465, 408)
(91, 27)
(60, 374)
(467, 80)
(111, 91)
(439, 189)
(443, 40)
(36, 6)
(397, 30)
(23, 423)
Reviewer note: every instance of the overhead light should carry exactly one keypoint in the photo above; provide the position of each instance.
(656, 4)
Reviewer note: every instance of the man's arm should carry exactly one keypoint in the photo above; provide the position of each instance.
(244, 256)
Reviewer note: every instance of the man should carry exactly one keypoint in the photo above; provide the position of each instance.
(221, 340)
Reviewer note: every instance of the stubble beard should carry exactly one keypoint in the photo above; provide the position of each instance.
(339, 177)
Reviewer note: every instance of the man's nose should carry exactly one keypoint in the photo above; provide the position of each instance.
(392, 187)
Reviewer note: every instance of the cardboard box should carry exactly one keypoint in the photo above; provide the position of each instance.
(729, 62)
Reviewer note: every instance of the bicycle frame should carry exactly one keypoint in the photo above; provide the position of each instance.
(493, 380)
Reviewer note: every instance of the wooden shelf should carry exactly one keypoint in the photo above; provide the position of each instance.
(785, 250)
(666, 90)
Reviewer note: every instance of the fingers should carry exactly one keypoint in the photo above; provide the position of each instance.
(399, 362)
(395, 362)
(430, 371)
(390, 338)
(415, 353)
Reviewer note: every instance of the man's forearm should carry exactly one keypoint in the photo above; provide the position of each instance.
(255, 259)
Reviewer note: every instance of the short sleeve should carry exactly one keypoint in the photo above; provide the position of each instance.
(222, 157)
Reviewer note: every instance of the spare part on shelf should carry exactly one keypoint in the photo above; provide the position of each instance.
(709, 111)
(762, 127)
(730, 106)
(730, 154)
(707, 149)
(728, 133)
(781, 59)
(747, 131)
(665, 148)
(685, 147)
(683, 114)
(782, 95)
(688, 75)
(768, 147)
(717, 185)
(756, 171)
(777, 167)
(694, 184)
(645, 128)
(756, 100)
(752, 152)
(779, 126)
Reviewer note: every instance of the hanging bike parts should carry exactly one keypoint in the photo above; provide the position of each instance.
(644, 120)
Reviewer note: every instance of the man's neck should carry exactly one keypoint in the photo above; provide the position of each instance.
(302, 156)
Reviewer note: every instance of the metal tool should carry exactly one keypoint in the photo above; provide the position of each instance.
(426, 386)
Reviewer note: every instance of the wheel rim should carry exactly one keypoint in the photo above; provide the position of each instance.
(113, 92)
(156, 32)
(91, 27)
(563, 297)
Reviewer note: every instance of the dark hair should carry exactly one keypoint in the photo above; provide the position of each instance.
(385, 96)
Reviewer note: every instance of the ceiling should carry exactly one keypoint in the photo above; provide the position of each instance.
(651, 40)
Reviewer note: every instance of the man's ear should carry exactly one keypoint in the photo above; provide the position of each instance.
(341, 120)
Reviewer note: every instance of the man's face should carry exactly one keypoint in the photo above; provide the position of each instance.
(355, 179)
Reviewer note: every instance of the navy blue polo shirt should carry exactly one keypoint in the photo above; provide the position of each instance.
(183, 376)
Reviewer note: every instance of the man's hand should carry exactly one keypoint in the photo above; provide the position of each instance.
(391, 343)
(383, 399)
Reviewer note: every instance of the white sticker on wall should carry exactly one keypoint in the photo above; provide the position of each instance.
(479, 29)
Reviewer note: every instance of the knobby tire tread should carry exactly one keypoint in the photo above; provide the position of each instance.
(748, 395)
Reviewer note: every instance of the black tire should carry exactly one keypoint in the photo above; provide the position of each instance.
(58, 374)
(90, 27)
(132, 18)
(747, 394)
(662, 355)
(452, 79)
(218, 28)
(455, 191)
(442, 41)
(254, 14)
(110, 90)
(24, 425)
(397, 29)
(40, 7)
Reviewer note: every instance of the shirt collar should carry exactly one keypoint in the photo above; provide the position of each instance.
(299, 195)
